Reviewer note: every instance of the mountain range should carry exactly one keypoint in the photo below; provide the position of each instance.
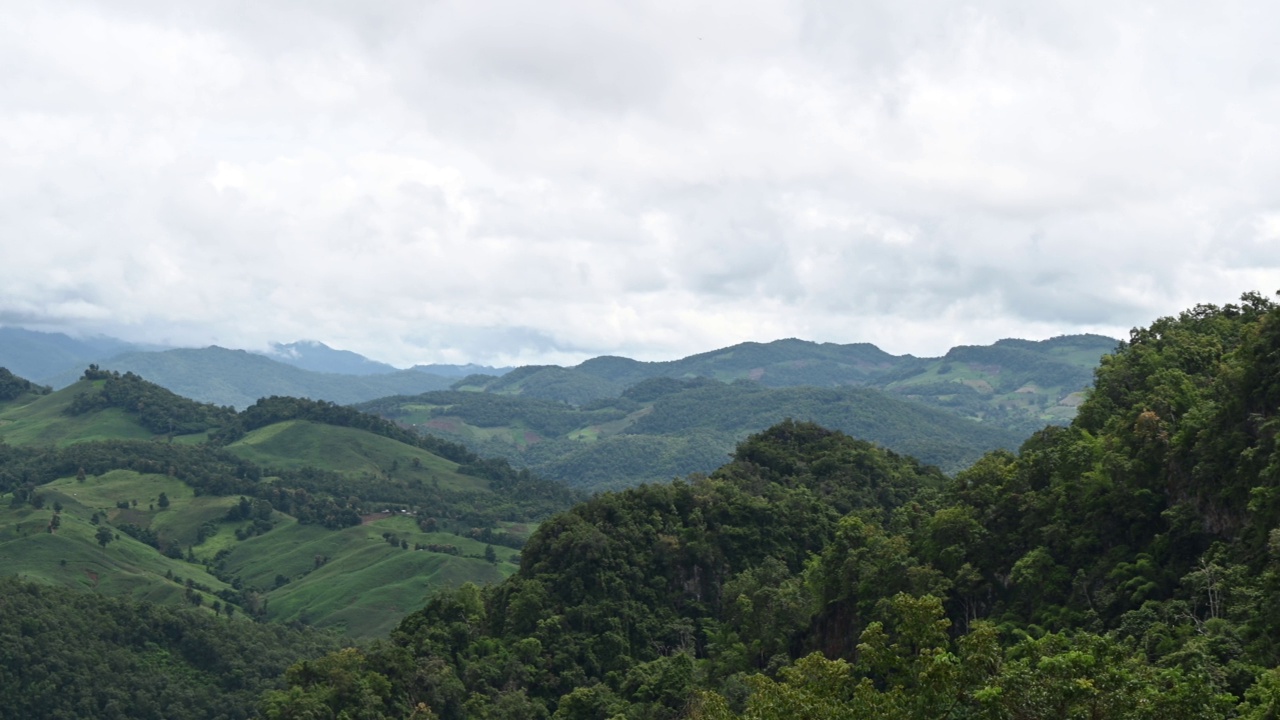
(1017, 384)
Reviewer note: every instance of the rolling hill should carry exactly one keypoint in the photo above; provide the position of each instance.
(664, 428)
(292, 510)
(1019, 385)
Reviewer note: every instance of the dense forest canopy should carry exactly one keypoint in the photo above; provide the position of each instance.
(1124, 566)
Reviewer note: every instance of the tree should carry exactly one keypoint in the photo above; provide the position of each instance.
(163, 501)
(104, 535)
(490, 554)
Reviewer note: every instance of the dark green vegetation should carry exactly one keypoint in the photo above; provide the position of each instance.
(1122, 567)
(663, 428)
(613, 422)
(67, 654)
(13, 387)
(292, 510)
(1018, 385)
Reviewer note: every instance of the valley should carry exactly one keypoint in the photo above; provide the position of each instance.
(1120, 563)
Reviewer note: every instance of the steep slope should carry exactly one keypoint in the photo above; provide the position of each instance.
(80, 654)
(45, 420)
(1125, 566)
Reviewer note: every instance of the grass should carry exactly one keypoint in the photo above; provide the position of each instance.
(43, 421)
(300, 443)
(366, 586)
(363, 584)
(366, 593)
(71, 557)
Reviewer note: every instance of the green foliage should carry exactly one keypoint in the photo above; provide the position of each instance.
(13, 387)
(157, 409)
(1122, 567)
(65, 653)
(681, 427)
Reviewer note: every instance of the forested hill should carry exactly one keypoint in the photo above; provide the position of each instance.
(664, 428)
(1019, 385)
(1122, 567)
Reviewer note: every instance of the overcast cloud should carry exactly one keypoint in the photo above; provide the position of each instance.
(543, 182)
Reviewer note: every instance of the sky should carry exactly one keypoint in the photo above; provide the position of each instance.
(509, 182)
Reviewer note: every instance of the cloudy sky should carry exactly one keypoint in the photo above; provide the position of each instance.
(526, 182)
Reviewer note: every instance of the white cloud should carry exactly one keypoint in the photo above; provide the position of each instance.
(515, 182)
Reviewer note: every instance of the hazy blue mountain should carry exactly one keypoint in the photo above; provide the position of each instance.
(317, 357)
(238, 378)
(41, 356)
(461, 371)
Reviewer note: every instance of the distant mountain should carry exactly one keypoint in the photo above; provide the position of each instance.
(318, 357)
(1017, 384)
(460, 371)
(663, 428)
(238, 378)
(41, 356)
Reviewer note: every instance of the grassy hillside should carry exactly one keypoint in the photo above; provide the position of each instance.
(44, 420)
(297, 444)
(71, 555)
(355, 579)
(293, 510)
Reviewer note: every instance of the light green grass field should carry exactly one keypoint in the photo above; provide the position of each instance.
(72, 557)
(43, 421)
(363, 584)
(299, 443)
(366, 586)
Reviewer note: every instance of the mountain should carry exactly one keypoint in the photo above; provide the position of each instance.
(238, 378)
(318, 357)
(461, 371)
(42, 356)
(1017, 384)
(664, 428)
(292, 510)
(1124, 566)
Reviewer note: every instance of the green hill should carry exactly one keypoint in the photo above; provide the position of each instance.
(44, 420)
(1125, 566)
(1018, 385)
(293, 510)
(664, 428)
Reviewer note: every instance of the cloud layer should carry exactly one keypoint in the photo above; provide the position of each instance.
(542, 182)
